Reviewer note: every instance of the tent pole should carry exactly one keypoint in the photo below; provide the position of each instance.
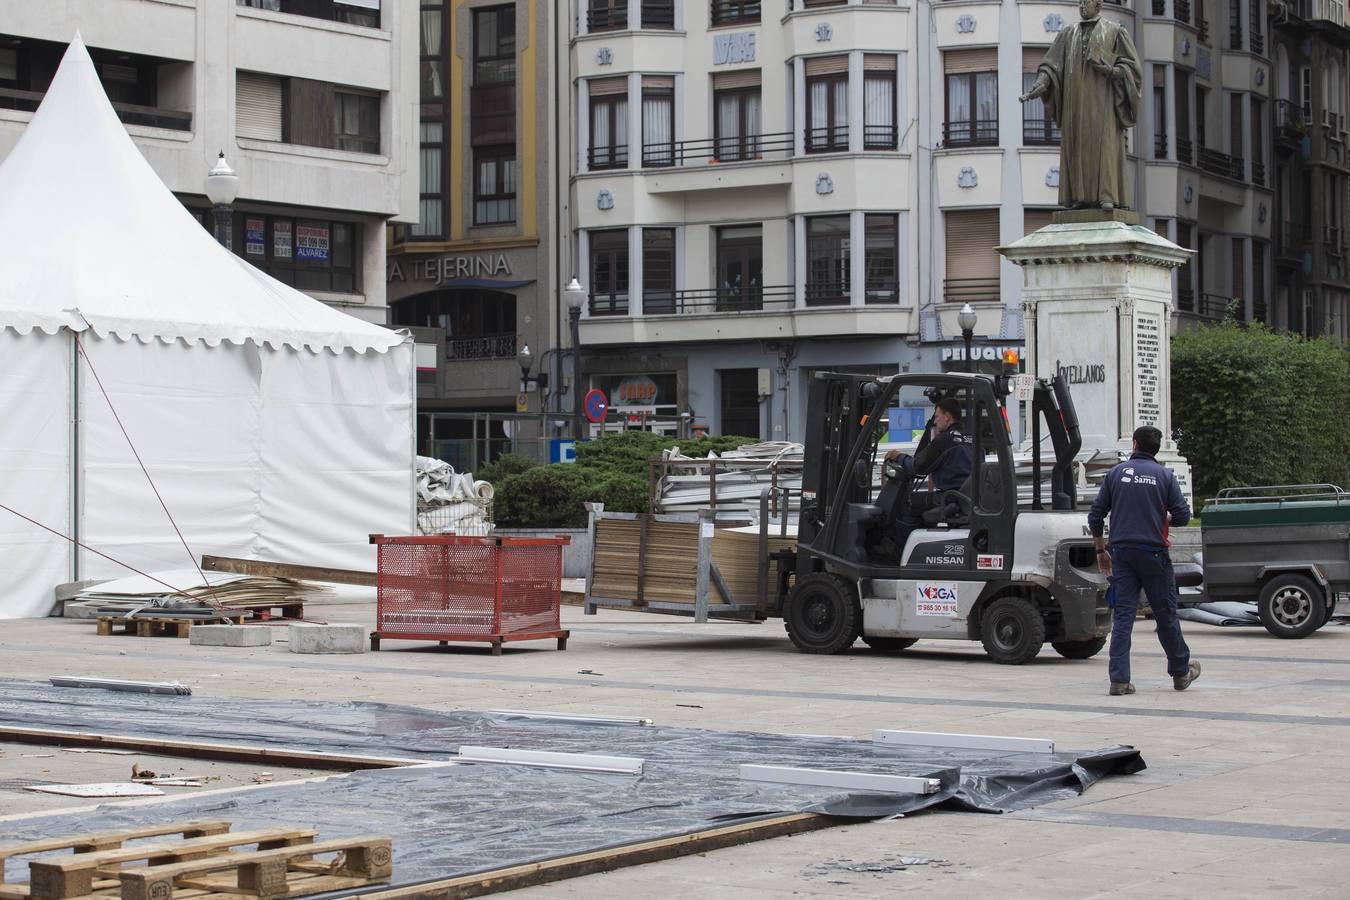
(74, 457)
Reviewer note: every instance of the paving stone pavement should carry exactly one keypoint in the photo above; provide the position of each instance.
(1247, 793)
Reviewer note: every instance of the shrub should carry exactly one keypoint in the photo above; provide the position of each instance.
(542, 497)
(1252, 406)
(504, 467)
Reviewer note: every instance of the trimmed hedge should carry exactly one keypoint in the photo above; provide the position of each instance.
(1253, 406)
(611, 470)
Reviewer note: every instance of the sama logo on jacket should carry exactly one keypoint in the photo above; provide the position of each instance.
(1137, 493)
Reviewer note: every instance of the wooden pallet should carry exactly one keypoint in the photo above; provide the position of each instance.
(207, 862)
(160, 626)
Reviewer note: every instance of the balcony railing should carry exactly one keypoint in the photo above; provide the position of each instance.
(1331, 239)
(717, 300)
(882, 290)
(1202, 25)
(1160, 7)
(1259, 310)
(658, 14)
(1217, 163)
(1235, 36)
(1320, 10)
(828, 293)
(1184, 150)
(493, 346)
(979, 132)
(1257, 40)
(603, 17)
(880, 137)
(614, 156)
(1290, 122)
(970, 290)
(1259, 174)
(129, 113)
(1181, 10)
(609, 304)
(1160, 146)
(1216, 306)
(741, 148)
(1040, 132)
(1294, 237)
(734, 12)
(829, 139)
(1185, 298)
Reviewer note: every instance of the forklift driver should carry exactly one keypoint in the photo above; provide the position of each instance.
(944, 455)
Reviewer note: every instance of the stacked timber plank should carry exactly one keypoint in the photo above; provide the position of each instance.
(198, 859)
(736, 554)
(645, 559)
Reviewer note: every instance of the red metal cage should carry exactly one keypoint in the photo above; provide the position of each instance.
(448, 587)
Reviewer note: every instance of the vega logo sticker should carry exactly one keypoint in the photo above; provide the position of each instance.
(936, 599)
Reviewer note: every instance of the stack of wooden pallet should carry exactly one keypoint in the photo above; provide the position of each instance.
(199, 859)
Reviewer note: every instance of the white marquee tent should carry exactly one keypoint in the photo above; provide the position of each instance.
(273, 426)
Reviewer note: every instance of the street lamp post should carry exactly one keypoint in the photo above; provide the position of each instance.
(575, 296)
(222, 187)
(966, 320)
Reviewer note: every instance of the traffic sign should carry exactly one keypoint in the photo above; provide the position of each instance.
(596, 405)
(562, 450)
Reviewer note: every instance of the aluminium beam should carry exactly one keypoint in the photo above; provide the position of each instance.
(964, 741)
(585, 762)
(859, 781)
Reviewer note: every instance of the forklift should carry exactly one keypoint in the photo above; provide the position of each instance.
(979, 566)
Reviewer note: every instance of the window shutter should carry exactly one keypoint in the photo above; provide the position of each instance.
(257, 106)
(742, 78)
(1035, 219)
(982, 59)
(878, 62)
(603, 86)
(972, 235)
(1032, 57)
(659, 82)
(827, 65)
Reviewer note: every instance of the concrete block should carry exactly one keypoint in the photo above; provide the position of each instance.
(230, 635)
(335, 637)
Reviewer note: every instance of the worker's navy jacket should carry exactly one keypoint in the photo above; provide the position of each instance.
(1138, 494)
(945, 457)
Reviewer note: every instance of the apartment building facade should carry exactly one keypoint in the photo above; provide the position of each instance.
(305, 98)
(475, 278)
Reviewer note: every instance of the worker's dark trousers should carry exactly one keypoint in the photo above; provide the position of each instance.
(1133, 568)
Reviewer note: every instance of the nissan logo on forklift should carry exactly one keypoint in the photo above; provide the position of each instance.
(1009, 567)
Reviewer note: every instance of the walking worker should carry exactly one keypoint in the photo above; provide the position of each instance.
(1139, 494)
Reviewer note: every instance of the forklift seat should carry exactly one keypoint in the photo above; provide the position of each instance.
(953, 507)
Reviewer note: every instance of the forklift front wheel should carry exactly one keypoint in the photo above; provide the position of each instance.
(822, 615)
(1012, 631)
(1291, 606)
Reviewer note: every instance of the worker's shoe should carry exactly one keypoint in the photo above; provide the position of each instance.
(1181, 682)
(1118, 688)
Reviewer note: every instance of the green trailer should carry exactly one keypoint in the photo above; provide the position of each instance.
(1285, 546)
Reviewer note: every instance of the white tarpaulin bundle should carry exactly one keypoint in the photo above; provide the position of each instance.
(274, 427)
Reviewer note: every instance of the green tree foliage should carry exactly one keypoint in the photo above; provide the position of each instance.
(505, 466)
(1253, 406)
(611, 470)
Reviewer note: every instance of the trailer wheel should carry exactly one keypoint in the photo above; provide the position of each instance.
(1291, 606)
(1012, 631)
(822, 615)
(889, 644)
(1079, 649)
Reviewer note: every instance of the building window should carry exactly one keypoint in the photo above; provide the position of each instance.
(1260, 313)
(353, 12)
(494, 188)
(972, 261)
(431, 218)
(736, 123)
(1186, 271)
(658, 270)
(307, 254)
(305, 112)
(1160, 112)
(658, 14)
(356, 121)
(658, 120)
(1182, 119)
(740, 267)
(606, 15)
(432, 42)
(882, 236)
(739, 389)
(477, 324)
(972, 97)
(734, 12)
(609, 123)
(609, 272)
(827, 104)
(494, 45)
(879, 131)
(1038, 127)
(827, 251)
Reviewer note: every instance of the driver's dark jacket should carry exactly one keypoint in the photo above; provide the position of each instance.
(945, 457)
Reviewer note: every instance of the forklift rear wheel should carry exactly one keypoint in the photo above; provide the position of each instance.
(1291, 606)
(1079, 649)
(889, 644)
(822, 615)
(1012, 631)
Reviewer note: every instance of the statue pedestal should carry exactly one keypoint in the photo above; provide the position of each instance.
(1097, 306)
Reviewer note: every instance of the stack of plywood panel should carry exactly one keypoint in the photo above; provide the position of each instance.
(735, 551)
(645, 559)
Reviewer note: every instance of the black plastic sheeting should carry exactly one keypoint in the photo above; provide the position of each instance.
(456, 820)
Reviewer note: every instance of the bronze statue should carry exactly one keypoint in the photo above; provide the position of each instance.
(1090, 80)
